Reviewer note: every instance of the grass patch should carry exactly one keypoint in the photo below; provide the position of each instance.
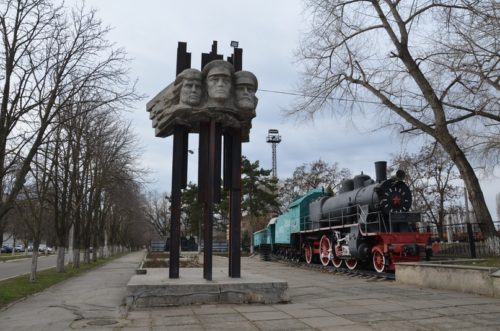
(19, 287)
(492, 262)
(8, 257)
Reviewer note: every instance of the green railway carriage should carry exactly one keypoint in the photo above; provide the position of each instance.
(280, 229)
(262, 237)
(295, 219)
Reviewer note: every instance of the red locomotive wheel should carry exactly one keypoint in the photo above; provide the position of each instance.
(324, 250)
(337, 262)
(351, 264)
(308, 253)
(378, 260)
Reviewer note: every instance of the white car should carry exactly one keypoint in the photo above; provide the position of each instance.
(42, 248)
(19, 248)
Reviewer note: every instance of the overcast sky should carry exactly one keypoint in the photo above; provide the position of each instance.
(269, 32)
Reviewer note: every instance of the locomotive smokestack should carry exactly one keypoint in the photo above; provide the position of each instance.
(380, 171)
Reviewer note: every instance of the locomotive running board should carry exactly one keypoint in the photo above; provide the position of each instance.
(330, 228)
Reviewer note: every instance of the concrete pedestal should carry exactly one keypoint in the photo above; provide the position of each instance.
(155, 289)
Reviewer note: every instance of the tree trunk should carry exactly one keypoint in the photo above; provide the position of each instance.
(94, 248)
(106, 248)
(34, 262)
(60, 259)
(76, 258)
(70, 244)
(14, 246)
(86, 256)
(483, 216)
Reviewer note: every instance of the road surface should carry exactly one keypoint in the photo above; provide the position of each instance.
(18, 267)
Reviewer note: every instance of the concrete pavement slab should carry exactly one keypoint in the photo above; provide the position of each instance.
(97, 295)
(319, 301)
(282, 325)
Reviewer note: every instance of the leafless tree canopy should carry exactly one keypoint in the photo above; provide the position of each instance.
(62, 142)
(433, 180)
(431, 66)
(51, 59)
(309, 176)
(157, 211)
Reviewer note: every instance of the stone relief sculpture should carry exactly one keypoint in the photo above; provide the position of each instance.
(195, 96)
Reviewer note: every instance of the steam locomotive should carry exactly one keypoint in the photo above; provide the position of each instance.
(368, 223)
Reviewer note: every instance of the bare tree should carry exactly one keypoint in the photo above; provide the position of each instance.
(398, 54)
(125, 214)
(32, 207)
(157, 211)
(114, 171)
(309, 176)
(432, 178)
(49, 54)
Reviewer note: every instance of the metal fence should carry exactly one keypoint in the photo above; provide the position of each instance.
(463, 240)
(218, 246)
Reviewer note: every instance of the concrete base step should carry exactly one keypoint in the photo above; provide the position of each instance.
(155, 289)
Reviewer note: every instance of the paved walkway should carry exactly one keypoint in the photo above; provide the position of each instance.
(320, 301)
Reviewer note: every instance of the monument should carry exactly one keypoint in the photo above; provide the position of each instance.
(217, 102)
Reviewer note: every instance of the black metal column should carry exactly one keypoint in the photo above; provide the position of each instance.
(206, 181)
(178, 164)
(235, 204)
(203, 188)
(227, 173)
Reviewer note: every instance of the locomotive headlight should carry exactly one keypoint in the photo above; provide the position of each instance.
(400, 174)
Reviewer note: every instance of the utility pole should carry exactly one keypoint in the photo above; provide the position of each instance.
(274, 138)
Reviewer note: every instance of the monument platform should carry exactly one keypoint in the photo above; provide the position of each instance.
(156, 289)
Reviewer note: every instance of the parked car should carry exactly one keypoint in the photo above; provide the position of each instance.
(20, 248)
(6, 249)
(42, 248)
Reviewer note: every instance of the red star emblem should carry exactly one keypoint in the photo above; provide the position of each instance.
(396, 200)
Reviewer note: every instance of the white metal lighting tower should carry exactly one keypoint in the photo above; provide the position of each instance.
(274, 138)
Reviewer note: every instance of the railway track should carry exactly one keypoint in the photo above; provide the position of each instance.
(366, 274)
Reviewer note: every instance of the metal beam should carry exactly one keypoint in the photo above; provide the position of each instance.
(235, 206)
(178, 163)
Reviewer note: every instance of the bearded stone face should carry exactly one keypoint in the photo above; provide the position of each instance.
(245, 96)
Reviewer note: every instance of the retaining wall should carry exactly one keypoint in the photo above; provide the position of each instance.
(450, 276)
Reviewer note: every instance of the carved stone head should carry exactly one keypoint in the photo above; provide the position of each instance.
(189, 82)
(218, 78)
(246, 85)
